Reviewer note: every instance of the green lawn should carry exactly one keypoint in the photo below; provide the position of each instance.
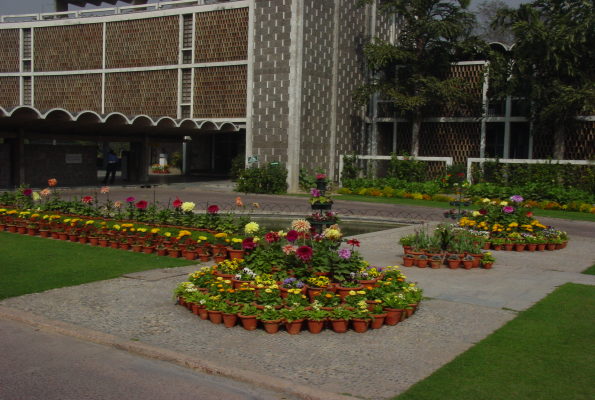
(576, 216)
(546, 352)
(589, 271)
(32, 264)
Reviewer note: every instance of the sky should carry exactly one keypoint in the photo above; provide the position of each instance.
(10, 7)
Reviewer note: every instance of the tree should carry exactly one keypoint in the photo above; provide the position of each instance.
(553, 63)
(414, 73)
(486, 12)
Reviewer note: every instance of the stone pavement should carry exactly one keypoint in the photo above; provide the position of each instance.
(465, 307)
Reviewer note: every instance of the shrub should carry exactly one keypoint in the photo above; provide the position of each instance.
(269, 179)
(409, 169)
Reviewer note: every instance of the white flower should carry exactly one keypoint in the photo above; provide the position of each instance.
(188, 206)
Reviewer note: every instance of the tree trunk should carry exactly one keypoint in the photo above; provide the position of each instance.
(415, 136)
(559, 142)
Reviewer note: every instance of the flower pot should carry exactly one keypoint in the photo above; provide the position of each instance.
(161, 252)
(520, 247)
(229, 320)
(564, 244)
(343, 291)
(203, 257)
(12, 228)
(454, 264)
(235, 254)
(486, 245)
(393, 315)
(123, 246)
(368, 283)
(114, 245)
(497, 247)
(32, 231)
(45, 234)
(378, 321)
(190, 255)
(315, 326)
(487, 265)
(249, 322)
(64, 237)
(55, 236)
(435, 264)
(148, 249)
(23, 230)
(216, 317)
(541, 247)
(202, 312)
(476, 258)
(2, 227)
(73, 238)
(422, 263)
(408, 262)
(174, 253)
(339, 325)
(219, 259)
(360, 325)
(137, 248)
(531, 247)
(406, 249)
(559, 246)
(94, 241)
(313, 292)
(295, 327)
(411, 310)
(468, 264)
(237, 283)
(508, 246)
(551, 246)
(102, 242)
(271, 326)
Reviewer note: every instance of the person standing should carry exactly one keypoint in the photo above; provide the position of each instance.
(112, 165)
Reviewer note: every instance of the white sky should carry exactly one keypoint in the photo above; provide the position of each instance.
(11, 7)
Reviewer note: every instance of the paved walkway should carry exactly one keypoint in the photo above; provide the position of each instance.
(466, 306)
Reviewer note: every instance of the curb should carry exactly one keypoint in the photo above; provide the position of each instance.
(157, 353)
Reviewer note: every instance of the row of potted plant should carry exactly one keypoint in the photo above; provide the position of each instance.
(248, 298)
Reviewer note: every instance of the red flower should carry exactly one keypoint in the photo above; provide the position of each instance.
(291, 236)
(529, 214)
(483, 211)
(177, 203)
(271, 237)
(460, 174)
(304, 253)
(248, 244)
(353, 242)
(142, 205)
(87, 199)
(213, 209)
(27, 192)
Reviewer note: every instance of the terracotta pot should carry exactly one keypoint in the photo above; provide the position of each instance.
(417, 254)
(137, 248)
(123, 246)
(114, 245)
(508, 246)
(271, 326)
(422, 263)
(541, 247)
(339, 325)
(237, 284)
(313, 292)
(295, 327)
(55, 236)
(435, 264)
(531, 247)
(559, 246)
(327, 273)
(468, 264)
(551, 246)
(454, 264)
(393, 315)
(487, 265)
(33, 231)
(23, 231)
(378, 321)
(487, 245)
(564, 244)
(203, 257)
(219, 259)
(174, 253)
(411, 310)
(249, 322)
(406, 249)
(202, 312)
(476, 258)
(315, 326)
(408, 262)
(64, 237)
(216, 317)
(360, 325)
(190, 255)
(195, 308)
(229, 320)
(102, 242)
(45, 234)
(497, 247)
(148, 249)
(12, 228)
(182, 301)
(2, 227)
(343, 291)
(235, 254)
(368, 283)
(520, 247)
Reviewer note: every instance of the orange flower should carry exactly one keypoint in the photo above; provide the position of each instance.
(239, 202)
(52, 182)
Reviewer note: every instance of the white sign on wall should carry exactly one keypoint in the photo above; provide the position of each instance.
(74, 158)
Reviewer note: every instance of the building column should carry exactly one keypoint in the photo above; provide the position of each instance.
(143, 174)
(20, 144)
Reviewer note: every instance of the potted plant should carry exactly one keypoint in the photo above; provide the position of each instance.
(328, 300)
(408, 260)
(361, 318)
(269, 296)
(422, 261)
(316, 285)
(405, 241)
(245, 275)
(348, 285)
(395, 304)
(340, 317)
(296, 298)
(248, 316)
(453, 261)
(229, 313)
(271, 319)
(487, 260)
(294, 318)
(497, 243)
(379, 315)
(468, 261)
(316, 318)
(161, 249)
(435, 261)
(235, 249)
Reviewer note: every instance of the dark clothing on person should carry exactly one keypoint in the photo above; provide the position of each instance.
(112, 165)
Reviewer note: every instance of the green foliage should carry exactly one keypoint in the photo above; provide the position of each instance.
(176, 160)
(238, 164)
(268, 179)
(350, 168)
(409, 169)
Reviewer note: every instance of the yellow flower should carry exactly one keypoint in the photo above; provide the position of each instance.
(167, 234)
(154, 230)
(352, 292)
(268, 290)
(361, 292)
(202, 237)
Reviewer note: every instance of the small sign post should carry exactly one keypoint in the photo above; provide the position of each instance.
(275, 164)
(252, 159)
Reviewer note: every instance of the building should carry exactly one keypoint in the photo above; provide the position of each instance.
(213, 79)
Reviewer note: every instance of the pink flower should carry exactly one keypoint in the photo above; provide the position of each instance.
(248, 244)
(27, 192)
(213, 209)
(87, 200)
(271, 237)
(45, 192)
(130, 200)
(177, 203)
(304, 253)
(288, 249)
(292, 236)
(508, 210)
(142, 205)
(104, 190)
(118, 204)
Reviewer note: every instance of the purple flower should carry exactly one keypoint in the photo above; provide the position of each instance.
(508, 210)
(315, 192)
(299, 284)
(292, 236)
(345, 254)
(516, 198)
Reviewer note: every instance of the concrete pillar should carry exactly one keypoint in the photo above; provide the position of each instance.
(21, 156)
(143, 174)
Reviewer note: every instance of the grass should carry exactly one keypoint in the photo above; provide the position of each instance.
(576, 216)
(546, 352)
(589, 271)
(32, 264)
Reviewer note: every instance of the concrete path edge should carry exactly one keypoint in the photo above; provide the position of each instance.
(154, 352)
